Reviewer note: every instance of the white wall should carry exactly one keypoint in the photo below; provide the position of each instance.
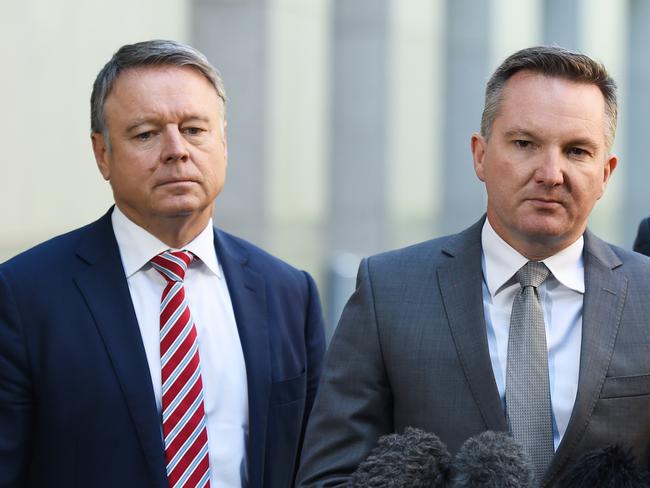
(51, 53)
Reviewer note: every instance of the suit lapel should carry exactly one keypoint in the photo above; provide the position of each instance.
(104, 288)
(247, 290)
(460, 284)
(605, 291)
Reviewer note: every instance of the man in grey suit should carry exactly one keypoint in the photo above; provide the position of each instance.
(432, 336)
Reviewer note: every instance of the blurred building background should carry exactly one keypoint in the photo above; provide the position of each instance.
(349, 120)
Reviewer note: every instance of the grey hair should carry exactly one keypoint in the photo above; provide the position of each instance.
(147, 53)
(555, 62)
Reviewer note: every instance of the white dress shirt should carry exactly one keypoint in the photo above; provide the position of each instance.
(561, 296)
(223, 370)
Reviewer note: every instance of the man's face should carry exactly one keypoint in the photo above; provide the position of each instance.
(546, 162)
(167, 157)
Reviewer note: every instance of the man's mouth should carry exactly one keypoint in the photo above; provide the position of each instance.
(176, 181)
(549, 203)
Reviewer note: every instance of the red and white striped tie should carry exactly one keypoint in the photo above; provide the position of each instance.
(183, 415)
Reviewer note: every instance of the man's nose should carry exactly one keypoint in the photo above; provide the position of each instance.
(550, 169)
(174, 145)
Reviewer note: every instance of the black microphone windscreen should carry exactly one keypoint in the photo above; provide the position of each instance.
(414, 459)
(491, 460)
(609, 467)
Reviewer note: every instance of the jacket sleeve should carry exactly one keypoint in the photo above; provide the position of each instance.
(16, 403)
(353, 405)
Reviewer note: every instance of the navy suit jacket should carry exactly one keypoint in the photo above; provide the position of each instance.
(77, 405)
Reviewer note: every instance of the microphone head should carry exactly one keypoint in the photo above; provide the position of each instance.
(414, 459)
(491, 460)
(609, 467)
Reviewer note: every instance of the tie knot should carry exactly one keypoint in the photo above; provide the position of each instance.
(172, 264)
(533, 273)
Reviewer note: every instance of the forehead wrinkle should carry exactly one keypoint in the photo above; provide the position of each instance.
(564, 127)
(127, 85)
(557, 117)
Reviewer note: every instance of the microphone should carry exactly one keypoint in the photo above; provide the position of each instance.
(414, 459)
(491, 460)
(609, 467)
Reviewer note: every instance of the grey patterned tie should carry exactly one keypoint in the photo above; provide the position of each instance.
(528, 398)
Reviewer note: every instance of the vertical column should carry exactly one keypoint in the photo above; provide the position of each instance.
(636, 165)
(359, 102)
(233, 35)
(298, 131)
(561, 23)
(416, 77)
(515, 25)
(466, 68)
(358, 218)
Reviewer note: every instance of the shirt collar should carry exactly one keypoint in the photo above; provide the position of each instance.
(501, 262)
(137, 246)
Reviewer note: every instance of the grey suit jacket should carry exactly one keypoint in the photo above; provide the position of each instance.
(411, 350)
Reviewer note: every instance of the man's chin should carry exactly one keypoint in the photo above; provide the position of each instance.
(554, 235)
(545, 227)
(181, 211)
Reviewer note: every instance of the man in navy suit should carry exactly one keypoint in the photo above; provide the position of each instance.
(82, 396)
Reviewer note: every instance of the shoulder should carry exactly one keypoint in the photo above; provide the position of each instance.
(619, 260)
(54, 254)
(429, 254)
(49, 268)
(412, 257)
(633, 262)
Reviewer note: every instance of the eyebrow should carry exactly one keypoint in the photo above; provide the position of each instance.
(579, 141)
(153, 120)
(138, 122)
(519, 133)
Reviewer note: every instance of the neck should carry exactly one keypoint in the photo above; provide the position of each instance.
(178, 236)
(539, 246)
(541, 249)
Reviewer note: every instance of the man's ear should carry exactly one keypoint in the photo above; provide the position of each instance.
(608, 169)
(100, 149)
(478, 145)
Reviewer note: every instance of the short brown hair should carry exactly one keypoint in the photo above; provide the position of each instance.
(556, 62)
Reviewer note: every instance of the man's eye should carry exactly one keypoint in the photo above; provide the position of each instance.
(523, 143)
(577, 151)
(192, 131)
(144, 136)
